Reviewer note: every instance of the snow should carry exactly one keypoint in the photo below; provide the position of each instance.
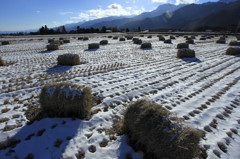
(197, 89)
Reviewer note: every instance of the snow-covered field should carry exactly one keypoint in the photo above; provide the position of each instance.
(204, 91)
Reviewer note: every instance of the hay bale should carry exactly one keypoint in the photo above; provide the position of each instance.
(161, 38)
(50, 40)
(129, 37)
(222, 38)
(141, 35)
(190, 41)
(85, 38)
(103, 42)
(68, 59)
(66, 100)
(202, 38)
(152, 129)
(115, 38)
(109, 36)
(52, 47)
(146, 46)
(168, 41)
(185, 52)
(149, 37)
(238, 37)
(66, 41)
(193, 37)
(182, 45)
(234, 43)
(172, 37)
(80, 38)
(233, 51)
(2, 62)
(137, 41)
(6, 42)
(221, 41)
(93, 46)
(122, 39)
(61, 38)
(56, 42)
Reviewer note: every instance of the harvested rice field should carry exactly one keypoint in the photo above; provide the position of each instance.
(203, 91)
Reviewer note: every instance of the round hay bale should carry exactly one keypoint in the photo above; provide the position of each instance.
(85, 38)
(146, 46)
(66, 100)
(109, 36)
(6, 42)
(234, 43)
(222, 38)
(50, 40)
(141, 35)
(61, 38)
(137, 41)
(172, 37)
(129, 37)
(152, 129)
(220, 41)
(66, 41)
(93, 46)
(115, 38)
(161, 38)
(182, 45)
(122, 39)
(168, 41)
(52, 47)
(68, 59)
(238, 37)
(233, 51)
(202, 38)
(2, 62)
(149, 37)
(190, 41)
(56, 42)
(80, 38)
(193, 37)
(185, 52)
(103, 42)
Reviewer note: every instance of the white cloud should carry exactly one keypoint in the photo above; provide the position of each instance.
(65, 13)
(160, 1)
(112, 10)
(185, 1)
(71, 21)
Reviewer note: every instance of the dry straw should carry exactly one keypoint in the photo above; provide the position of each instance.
(234, 43)
(182, 45)
(146, 46)
(66, 100)
(152, 129)
(93, 46)
(6, 42)
(233, 51)
(68, 59)
(168, 41)
(185, 52)
(52, 47)
(2, 62)
(103, 42)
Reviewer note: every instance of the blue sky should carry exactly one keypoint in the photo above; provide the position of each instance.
(32, 14)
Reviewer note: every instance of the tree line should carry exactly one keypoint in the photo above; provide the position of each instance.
(44, 30)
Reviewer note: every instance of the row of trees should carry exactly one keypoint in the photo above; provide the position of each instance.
(44, 30)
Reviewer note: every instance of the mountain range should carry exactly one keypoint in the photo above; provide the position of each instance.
(169, 16)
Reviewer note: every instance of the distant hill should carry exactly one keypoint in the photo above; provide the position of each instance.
(189, 16)
(115, 21)
(227, 1)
